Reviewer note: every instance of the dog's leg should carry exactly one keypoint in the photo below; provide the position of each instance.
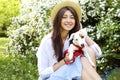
(88, 57)
(71, 50)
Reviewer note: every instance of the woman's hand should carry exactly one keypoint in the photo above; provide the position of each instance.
(66, 58)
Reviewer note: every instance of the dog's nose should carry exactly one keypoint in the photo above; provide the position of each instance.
(82, 45)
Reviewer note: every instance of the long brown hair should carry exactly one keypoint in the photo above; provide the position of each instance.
(56, 36)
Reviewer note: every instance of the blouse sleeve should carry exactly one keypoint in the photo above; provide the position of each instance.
(43, 58)
(96, 49)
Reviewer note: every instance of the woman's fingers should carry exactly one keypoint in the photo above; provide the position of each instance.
(67, 57)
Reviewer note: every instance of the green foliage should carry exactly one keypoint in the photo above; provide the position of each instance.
(3, 44)
(114, 74)
(3, 34)
(16, 67)
(8, 9)
(102, 18)
(29, 27)
(108, 32)
(23, 40)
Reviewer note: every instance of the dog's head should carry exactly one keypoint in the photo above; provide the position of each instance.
(79, 37)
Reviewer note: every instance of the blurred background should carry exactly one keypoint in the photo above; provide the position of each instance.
(23, 23)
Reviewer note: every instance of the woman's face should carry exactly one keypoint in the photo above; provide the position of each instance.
(68, 21)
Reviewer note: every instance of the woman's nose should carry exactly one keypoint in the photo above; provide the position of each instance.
(68, 19)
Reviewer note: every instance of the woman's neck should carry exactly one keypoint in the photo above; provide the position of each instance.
(64, 35)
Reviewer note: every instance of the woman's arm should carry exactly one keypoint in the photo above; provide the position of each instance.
(94, 46)
(58, 65)
(89, 41)
(86, 71)
(61, 63)
(44, 60)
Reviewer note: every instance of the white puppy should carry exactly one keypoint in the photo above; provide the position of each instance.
(79, 39)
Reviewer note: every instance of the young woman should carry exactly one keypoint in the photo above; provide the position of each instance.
(66, 18)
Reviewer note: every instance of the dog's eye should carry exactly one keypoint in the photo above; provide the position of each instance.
(82, 36)
(76, 39)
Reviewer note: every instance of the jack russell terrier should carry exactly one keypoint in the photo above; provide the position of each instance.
(78, 43)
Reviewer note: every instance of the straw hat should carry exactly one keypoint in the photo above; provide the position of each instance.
(72, 4)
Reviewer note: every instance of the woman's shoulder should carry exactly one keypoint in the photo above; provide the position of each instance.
(47, 37)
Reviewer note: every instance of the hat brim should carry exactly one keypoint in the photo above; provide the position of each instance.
(74, 5)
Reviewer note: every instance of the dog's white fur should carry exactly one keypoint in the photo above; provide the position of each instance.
(80, 41)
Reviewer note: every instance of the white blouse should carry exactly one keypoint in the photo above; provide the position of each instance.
(46, 57)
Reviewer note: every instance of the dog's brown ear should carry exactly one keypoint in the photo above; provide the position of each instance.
(71, 37)
(81, 35)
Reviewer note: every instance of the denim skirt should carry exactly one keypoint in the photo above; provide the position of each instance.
(67, 72)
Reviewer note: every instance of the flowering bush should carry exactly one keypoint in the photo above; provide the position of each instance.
(30, 26)
(102, 18)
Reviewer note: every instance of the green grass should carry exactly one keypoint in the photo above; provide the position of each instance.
(114, 74)
(16, 67)
(3, 41)
(3, 45)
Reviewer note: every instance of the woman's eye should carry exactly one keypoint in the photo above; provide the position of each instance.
(64, 17)
(72, 17)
